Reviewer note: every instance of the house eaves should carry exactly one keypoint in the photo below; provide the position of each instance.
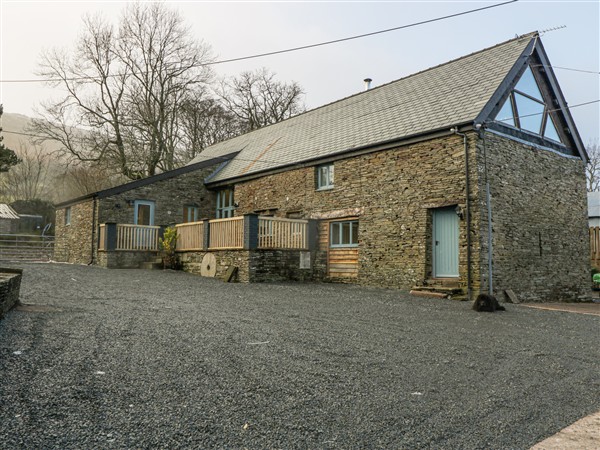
(203, 163)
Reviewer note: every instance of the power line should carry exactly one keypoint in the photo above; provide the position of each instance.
(288, 50)
(569, 68)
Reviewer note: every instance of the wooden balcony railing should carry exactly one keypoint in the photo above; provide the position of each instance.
(190, 236)
(282, 233)
(272, 233)
(137, 237)
(226, 233)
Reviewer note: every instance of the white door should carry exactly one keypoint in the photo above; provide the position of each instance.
(445, 243)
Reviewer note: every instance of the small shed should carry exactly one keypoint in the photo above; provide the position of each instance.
(9, 219)
(594, 209)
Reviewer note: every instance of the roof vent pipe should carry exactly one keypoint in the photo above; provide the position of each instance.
(367, 83)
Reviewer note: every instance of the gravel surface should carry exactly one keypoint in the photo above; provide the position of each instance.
(152, 359)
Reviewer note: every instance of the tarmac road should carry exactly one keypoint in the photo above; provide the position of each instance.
(153, 359)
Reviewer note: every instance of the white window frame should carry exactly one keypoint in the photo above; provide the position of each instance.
(325, 177)
(68, 215)
(339, 225)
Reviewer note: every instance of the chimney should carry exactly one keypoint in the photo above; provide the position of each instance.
(367, 83)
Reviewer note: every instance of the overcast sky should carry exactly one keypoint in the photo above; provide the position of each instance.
(331, 72)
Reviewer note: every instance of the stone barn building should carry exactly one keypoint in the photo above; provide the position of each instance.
(464, 178)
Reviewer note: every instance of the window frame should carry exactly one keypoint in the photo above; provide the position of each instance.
(516, 114)
(224, 212)
(340, 225)
(67, 216)
(187, 209)
(328, 183)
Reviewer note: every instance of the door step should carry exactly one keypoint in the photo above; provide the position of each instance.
(440, 288)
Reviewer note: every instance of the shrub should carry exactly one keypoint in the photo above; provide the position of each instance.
(168, 244)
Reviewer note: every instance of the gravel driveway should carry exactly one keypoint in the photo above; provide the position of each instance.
(152, 359)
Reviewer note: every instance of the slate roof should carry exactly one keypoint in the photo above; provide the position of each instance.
(6, 212)
(438, 98)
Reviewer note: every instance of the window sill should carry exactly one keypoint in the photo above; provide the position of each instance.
(325, 188)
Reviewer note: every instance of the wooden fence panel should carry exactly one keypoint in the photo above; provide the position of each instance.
(275, 232)
(595, 246)
(190, 236)
(102, 238)
(226, 233)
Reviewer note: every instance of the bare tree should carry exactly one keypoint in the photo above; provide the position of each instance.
(28, 180)
(205, 122)
(257, 99)
(81, 179)
(123, 89)
(592, 170)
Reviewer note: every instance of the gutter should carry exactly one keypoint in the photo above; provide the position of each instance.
(468, 209)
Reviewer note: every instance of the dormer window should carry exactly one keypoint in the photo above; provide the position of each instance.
(526, 109)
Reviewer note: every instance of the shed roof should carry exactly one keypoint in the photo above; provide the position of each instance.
(450, 94)
(6, 212)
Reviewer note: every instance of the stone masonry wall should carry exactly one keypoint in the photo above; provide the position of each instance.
(392, 192)
(10, 284)
(73, 243)
(539, 218)
(255, 266)
(170, 196)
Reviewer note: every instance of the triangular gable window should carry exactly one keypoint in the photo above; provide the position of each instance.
(525, 109)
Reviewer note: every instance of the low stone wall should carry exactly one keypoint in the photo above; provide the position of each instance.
(123, 259)
(257, 266)
(10, 284)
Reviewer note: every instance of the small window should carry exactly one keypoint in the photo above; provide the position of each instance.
(325, 177)
(190, 214)
(344, 234)
(68, 215)
(225, 206)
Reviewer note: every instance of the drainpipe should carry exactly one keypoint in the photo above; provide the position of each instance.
(468, 209)
(488, 204)
(93, 229)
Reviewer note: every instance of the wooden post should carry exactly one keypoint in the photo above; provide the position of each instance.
(205, 234)
(111, 236)
(312, 232)
(250, 231)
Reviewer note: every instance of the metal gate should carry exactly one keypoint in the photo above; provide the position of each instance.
(24, 247)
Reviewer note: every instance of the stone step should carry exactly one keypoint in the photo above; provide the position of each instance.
(149, 265)
(441, 289)
(448, 282)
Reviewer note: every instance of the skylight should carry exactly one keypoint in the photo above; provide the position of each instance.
(526, 109)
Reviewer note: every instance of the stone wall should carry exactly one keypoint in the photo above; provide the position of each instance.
(256, 266)
(122, 259)
(192, 262)
(170, 196)
(10, 284)
(392, 192)
(539, 216)
(73, 242)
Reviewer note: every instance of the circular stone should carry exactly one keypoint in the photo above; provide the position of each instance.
(209, 265)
